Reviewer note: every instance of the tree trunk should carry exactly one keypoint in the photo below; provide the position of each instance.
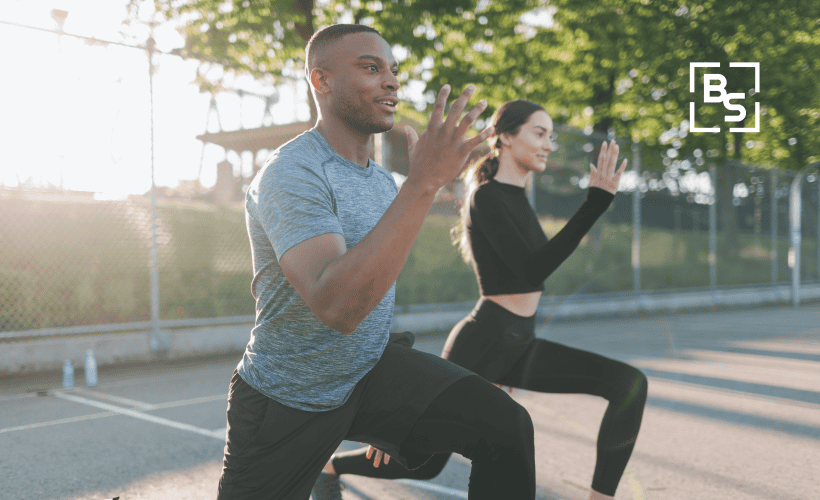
(603, 98)
(306, 31)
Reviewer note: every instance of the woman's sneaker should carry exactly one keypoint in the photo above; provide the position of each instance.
(327, 487)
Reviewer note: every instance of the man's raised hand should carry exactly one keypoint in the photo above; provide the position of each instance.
(441, 152)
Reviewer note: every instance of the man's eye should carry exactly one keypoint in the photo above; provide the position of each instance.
(373, 66)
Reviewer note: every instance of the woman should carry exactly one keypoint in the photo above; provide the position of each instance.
(512, 257)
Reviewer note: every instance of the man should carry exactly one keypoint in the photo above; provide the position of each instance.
(329, 235)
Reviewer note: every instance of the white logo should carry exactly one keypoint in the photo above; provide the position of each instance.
(716, 93)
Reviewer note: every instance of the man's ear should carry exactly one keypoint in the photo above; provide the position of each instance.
(318, 80)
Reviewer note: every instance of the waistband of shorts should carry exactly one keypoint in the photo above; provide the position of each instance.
(487, 310)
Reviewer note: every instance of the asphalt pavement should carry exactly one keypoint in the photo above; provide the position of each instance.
(733, 413)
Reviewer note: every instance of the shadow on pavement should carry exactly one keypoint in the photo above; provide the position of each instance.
(752, 388)
(735, 417)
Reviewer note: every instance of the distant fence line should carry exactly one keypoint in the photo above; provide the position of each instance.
(70, 262)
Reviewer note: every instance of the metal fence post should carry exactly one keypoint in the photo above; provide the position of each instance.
(713, 229)
(774, 222)
(795, 206)
(636, 219)
(157, 342)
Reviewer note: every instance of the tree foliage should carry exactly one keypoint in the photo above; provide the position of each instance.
(617, 66)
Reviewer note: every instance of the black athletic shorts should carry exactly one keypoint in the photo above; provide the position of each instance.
(274, 451)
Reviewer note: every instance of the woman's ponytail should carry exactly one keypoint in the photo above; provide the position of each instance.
(484, 170)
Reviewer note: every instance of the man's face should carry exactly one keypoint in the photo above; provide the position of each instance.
(363, 82)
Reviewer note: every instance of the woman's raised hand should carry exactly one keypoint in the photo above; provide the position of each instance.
(605, 176)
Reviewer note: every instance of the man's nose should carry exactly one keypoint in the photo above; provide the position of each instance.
(392, 82)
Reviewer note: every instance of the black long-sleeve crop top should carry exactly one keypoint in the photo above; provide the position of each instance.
(511, 253)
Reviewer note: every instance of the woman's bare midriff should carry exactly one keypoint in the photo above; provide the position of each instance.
(522, 304)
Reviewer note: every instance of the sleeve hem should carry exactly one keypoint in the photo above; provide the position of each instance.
(281, 250)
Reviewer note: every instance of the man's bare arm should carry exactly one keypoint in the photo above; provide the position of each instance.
(342, 286)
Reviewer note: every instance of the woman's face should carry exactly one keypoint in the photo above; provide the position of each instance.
(533, 143)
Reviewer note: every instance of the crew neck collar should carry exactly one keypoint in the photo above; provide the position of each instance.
(367, 170)
(507, 187)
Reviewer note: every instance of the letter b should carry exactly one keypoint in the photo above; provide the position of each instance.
(709, 87)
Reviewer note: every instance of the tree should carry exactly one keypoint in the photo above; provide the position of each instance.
(626, 60)
(623, 66)
(266, 38)
(784, 37)
(617, 66)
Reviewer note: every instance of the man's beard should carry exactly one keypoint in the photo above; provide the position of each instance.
(359, 119)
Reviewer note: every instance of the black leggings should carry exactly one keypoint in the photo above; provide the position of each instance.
(493, 341)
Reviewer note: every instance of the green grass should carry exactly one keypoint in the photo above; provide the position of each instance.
(434, 272)
(83, 263)
(206, 268)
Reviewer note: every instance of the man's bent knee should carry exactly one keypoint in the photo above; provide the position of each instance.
(514, 424)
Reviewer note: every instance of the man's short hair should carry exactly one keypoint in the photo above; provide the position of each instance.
(328, 35)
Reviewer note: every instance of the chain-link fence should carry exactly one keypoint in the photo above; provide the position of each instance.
(678, 223)
(88, 130)
(72, 261)
(67, 259)
(71, 257)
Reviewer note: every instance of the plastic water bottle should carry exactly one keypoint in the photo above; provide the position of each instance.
(90, 368)
(68, 374)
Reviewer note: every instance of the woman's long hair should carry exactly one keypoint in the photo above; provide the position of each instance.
(508, 120)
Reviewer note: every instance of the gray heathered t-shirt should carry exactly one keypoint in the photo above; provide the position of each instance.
(307, 189)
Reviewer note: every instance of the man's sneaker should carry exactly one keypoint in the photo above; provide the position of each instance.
(327, 487)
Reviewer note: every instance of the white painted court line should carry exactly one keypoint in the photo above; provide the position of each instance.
(144, 407)
(422, 485)
(186, 402)
(140, 405)
(58, 422)
(142, 416)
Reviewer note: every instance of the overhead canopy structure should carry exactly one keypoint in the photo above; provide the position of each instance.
(390, 152)
(255, 139)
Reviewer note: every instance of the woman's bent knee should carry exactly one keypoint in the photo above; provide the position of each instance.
(640, 386)
(630, 385)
